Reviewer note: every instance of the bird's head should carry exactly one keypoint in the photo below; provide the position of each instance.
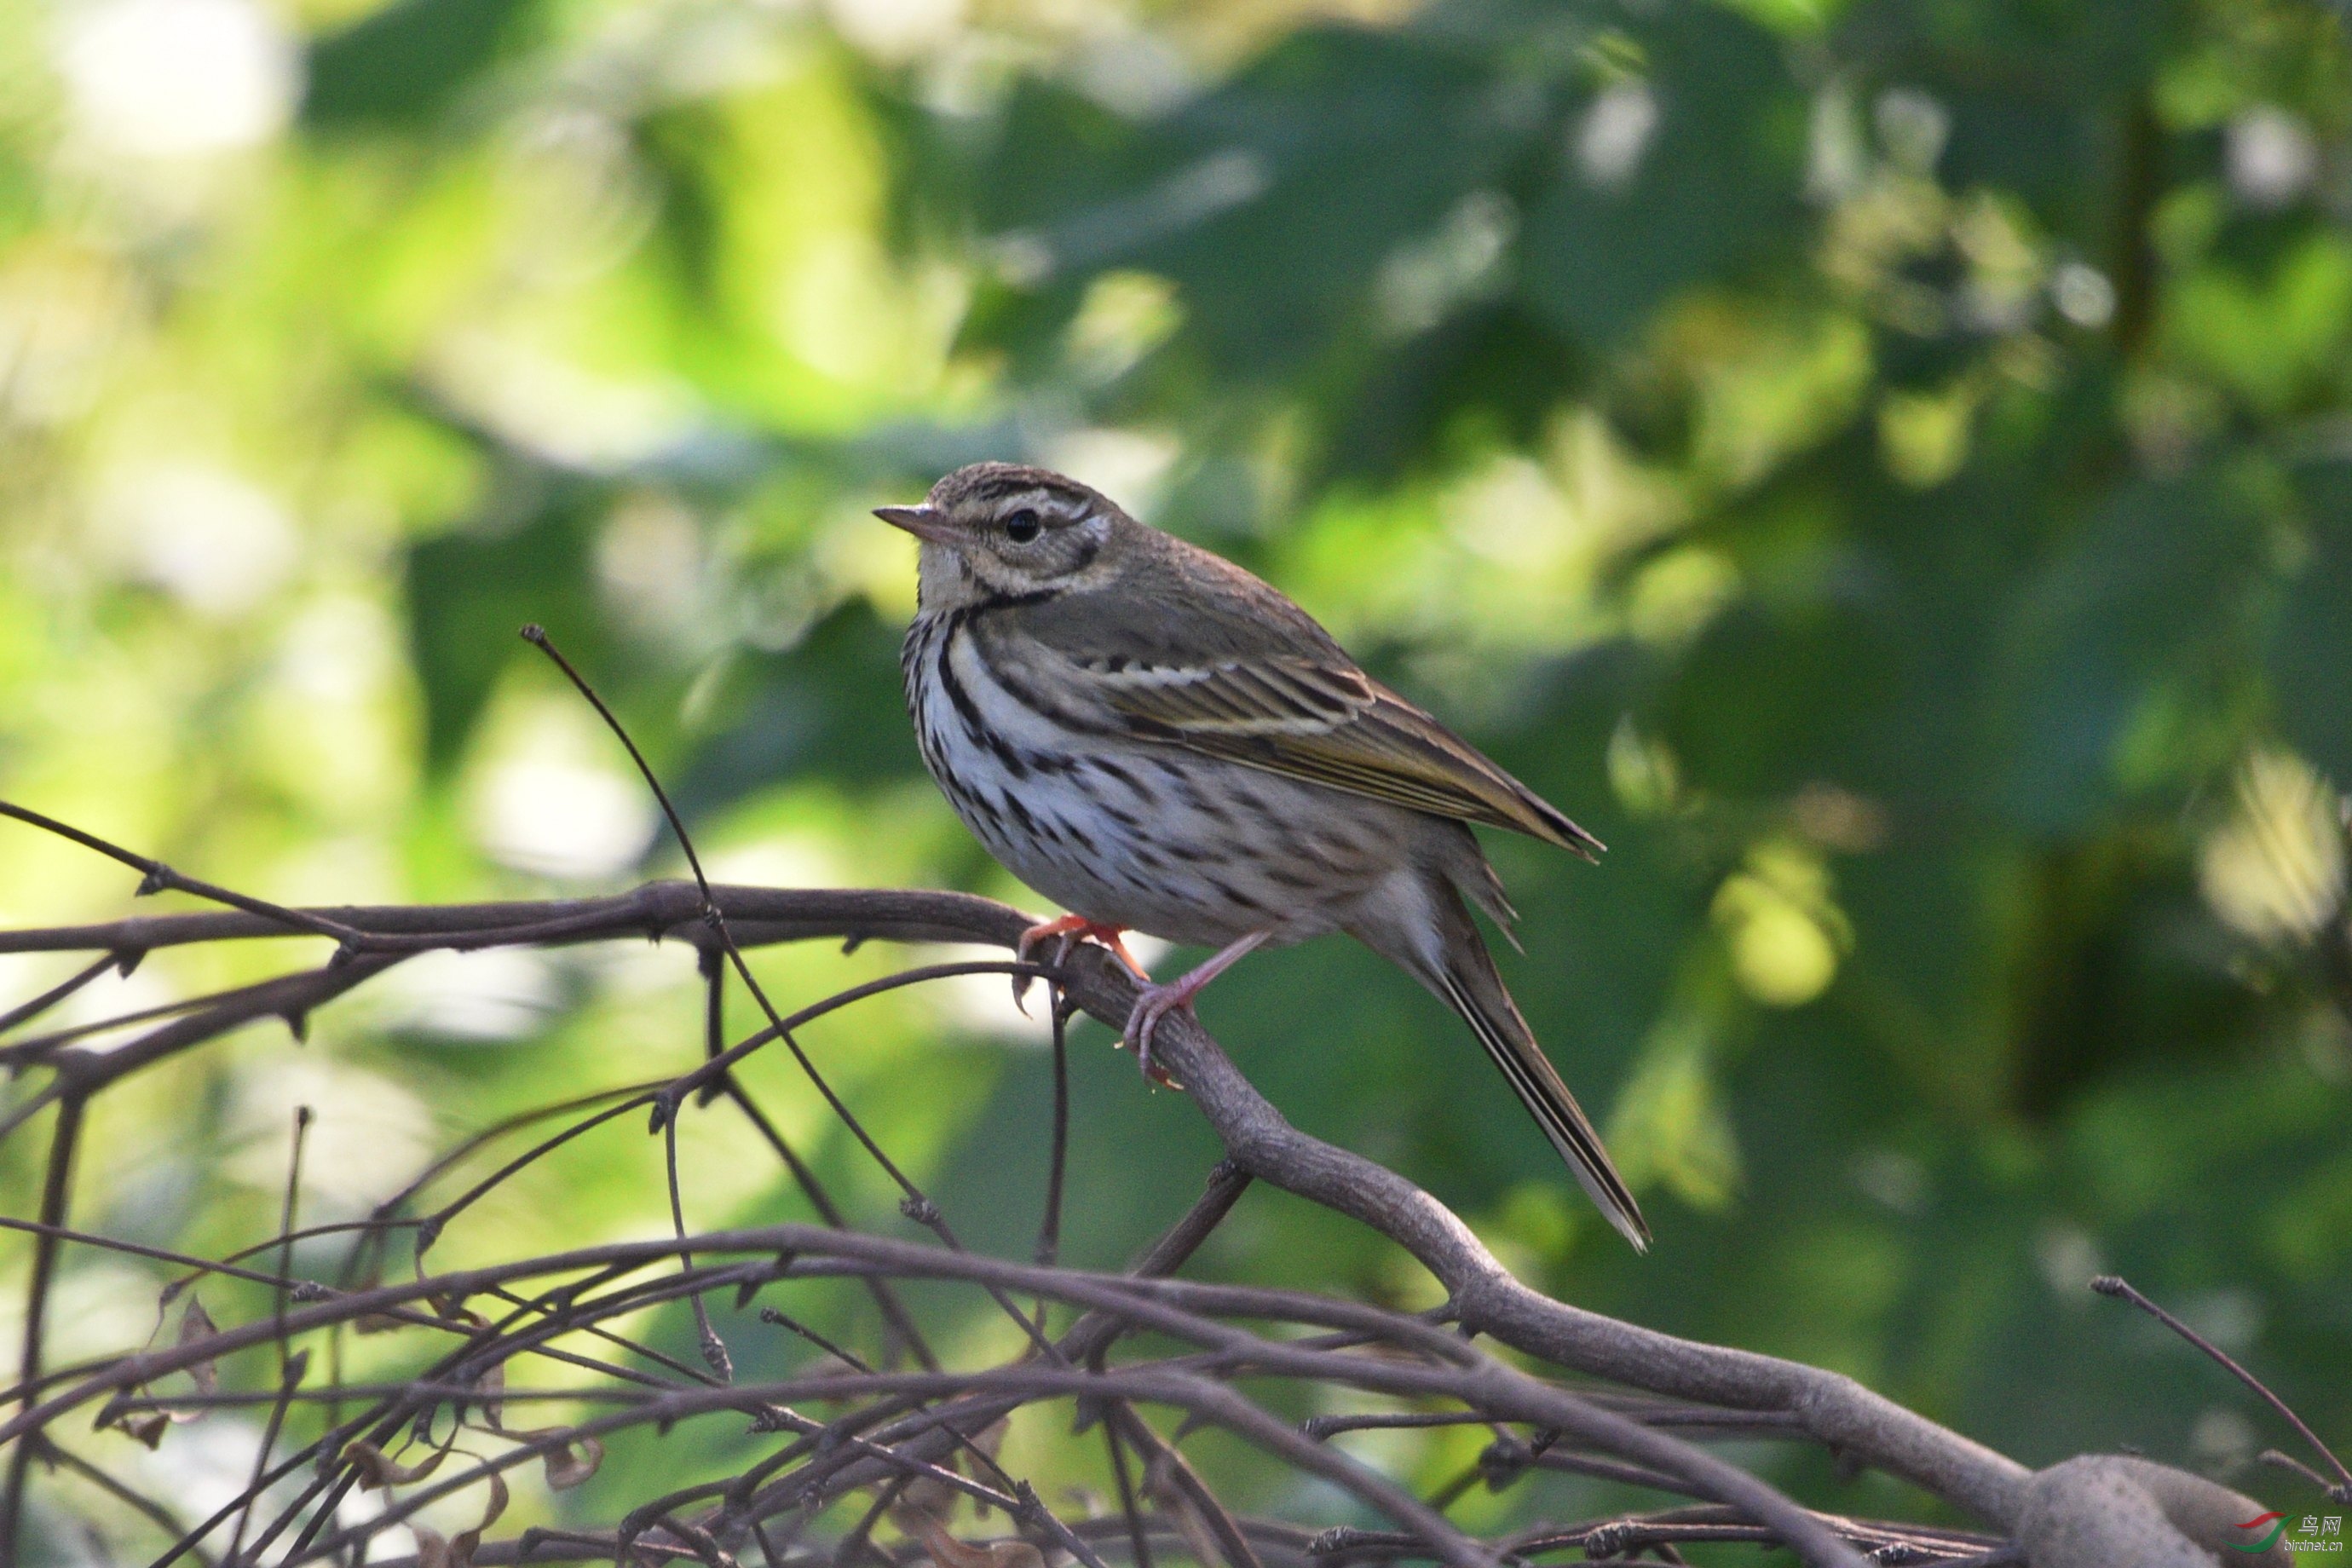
(995, 530)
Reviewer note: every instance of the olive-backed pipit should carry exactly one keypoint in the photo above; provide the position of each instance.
(1161, 742)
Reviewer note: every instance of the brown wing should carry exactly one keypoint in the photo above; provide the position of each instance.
(1195, 652)
(1331, 724)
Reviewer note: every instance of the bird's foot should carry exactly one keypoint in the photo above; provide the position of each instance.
(1151, 1004)
(1154, 1002)
(1063, 932)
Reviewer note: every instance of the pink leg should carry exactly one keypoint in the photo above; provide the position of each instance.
(1155, 1002)
(1063, 930)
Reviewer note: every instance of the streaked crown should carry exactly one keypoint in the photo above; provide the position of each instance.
(995, 528)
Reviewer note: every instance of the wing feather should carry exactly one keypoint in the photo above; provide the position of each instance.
(1194, 651)
(1335, 726)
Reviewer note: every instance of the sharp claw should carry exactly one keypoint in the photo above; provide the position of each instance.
(1149, 1008)
(1066, 936)
(1021, 981)
(1159, 1075)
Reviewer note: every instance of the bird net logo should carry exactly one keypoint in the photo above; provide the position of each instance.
(2313, 1534)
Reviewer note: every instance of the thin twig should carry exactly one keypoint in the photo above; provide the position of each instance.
(915, 1204)
(714, 1349)
(25, 1012)
(886, 1424)
(2122, 1290)
(57, 1186)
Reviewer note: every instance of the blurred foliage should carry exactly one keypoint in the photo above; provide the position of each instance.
(1883, 465)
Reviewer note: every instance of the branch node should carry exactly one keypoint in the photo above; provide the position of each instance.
(1609, 1540)
(715, 1356)
(919, 1209)
(158, 877)
(1338, 1537)
(1503, 1461)
(2335, 1491)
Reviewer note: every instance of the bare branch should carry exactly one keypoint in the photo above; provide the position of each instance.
(881, 1427)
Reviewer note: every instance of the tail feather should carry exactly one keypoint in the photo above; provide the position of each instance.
(1467, 981)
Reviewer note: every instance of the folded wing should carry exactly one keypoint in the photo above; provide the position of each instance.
(1329, 723)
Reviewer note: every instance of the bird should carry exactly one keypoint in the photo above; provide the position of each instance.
(1159, 742)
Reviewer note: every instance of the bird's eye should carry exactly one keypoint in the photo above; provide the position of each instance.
(1024, 525)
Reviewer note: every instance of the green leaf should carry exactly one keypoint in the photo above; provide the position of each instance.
(471, 591)
(412, 60)
(830, 708)
(1680, 176)
(2135, 604)
(2311, 646)
(1273, 201)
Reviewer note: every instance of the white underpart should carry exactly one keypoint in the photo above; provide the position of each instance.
(1151, 837)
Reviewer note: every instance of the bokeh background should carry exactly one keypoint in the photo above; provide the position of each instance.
(1884, 467)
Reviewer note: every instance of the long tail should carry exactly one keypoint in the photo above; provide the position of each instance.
(1464, 976)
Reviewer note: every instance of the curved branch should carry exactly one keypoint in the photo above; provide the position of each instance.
(1259, 1141)
(1257, 1138)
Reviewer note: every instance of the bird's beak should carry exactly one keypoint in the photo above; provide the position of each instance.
(919, 520)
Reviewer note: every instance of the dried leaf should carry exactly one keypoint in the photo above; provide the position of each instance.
(573, 1463)
(565, 1468)
(147, 1427)
(933, 1498)
(451, 1308)
(926, 1498)
(196, 1326)
(491, 1387)
(1160, 1486)
(435, 1550)
(376, 1471)
(461, 1546)
(947, 1551)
